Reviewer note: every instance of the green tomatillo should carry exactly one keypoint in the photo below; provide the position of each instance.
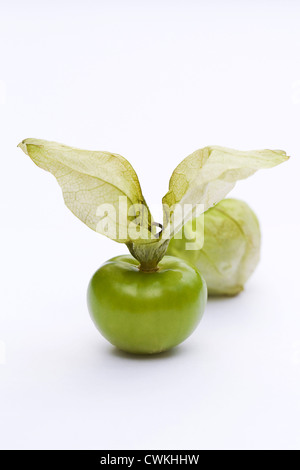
(146, 312)
(145, 303)
(227, 250)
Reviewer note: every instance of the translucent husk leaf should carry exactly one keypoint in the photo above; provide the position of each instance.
(208, 175)
(91, 180)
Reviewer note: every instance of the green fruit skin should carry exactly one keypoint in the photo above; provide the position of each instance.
(146, 313)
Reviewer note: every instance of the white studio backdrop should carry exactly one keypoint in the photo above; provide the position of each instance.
(152, 81)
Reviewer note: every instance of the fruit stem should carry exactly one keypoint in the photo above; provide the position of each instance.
(148, 254)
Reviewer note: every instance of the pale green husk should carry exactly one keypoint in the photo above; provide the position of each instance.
(209, 174)
(90, 179)
(230, 250)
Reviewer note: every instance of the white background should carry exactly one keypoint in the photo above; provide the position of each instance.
(154, 81)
